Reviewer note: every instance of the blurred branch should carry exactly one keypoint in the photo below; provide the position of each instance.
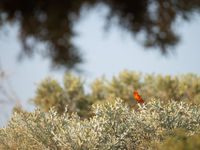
(7, 94)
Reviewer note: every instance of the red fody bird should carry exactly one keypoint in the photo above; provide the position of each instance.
(137, 97)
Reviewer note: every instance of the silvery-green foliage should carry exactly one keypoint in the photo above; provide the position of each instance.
(71, 92)
(113, 126)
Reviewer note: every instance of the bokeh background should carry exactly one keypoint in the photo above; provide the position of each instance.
(106, 52)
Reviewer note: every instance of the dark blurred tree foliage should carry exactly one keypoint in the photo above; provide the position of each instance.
(51, 22)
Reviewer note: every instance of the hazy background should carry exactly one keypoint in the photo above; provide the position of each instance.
(105, 53)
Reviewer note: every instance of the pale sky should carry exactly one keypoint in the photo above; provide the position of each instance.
(105, 53)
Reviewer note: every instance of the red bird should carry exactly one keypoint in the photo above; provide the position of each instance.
(138, 98)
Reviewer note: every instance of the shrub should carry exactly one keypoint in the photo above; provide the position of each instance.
(180, 140)
(50, 93)
(114, 126)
